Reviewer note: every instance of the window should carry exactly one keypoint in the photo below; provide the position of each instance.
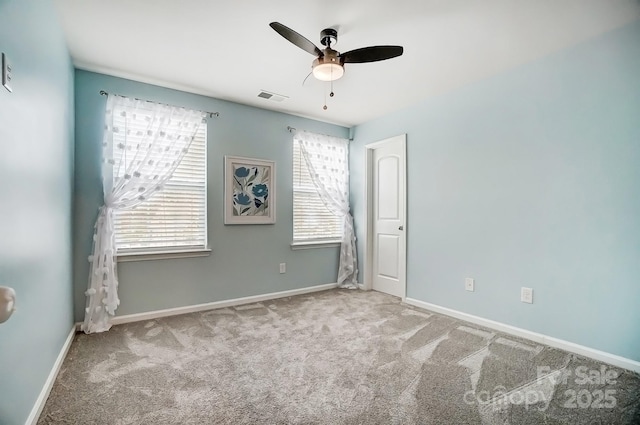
(312, 221)
(174, 219)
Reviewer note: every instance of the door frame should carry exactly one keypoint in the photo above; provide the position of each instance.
(368, 193)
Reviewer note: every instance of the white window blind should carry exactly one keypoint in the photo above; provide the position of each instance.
(312, 221)
(174, 218)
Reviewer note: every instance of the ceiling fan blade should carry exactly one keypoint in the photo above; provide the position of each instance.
(296, 38)
(371, 54)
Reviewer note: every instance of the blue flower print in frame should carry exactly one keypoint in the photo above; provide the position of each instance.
(249, 191)
(260, 191)
(241, 172)
(242, 199)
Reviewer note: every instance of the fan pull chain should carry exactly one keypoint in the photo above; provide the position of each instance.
(305, 79)
(325, 101)
(331, 94)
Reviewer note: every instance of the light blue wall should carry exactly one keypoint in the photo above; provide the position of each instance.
(530, 178)
(245, 259)
(36, 172)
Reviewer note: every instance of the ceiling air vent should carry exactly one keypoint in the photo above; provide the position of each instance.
(272, 96)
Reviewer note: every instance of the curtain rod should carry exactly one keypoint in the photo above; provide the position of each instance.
(293, 130)
(211, 114)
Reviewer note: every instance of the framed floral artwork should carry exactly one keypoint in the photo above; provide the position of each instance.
(250, 191)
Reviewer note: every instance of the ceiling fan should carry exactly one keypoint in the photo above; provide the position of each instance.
(329, 63)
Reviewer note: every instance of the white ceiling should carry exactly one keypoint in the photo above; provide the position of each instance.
(226, 49)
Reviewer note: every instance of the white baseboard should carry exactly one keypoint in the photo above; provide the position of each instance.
(592, 353)
(137, 317)
(46, 389)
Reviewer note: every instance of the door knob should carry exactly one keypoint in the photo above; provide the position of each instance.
(401, 228)
(7, 303)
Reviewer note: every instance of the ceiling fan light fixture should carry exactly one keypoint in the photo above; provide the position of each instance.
(329, 63)
(327, 69)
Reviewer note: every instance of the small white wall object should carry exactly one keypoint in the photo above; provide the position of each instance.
(7, 303)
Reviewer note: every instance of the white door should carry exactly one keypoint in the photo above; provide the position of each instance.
(388, 206)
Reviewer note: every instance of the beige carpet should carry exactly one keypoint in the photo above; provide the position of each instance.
(335, 357)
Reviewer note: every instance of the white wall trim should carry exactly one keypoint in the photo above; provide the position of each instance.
(48, 384)
(297, 245)
(592, 353)
(149, 315)
(133, 256)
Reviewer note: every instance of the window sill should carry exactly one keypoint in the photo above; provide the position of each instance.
(126, 257)
(295, 245)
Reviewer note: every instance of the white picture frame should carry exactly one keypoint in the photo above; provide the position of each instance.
(249, 191)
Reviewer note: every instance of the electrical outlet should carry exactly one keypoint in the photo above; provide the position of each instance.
(526, 295)
(469, 284)
(6, 72)
(283, 268)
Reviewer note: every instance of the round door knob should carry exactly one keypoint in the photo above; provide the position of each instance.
(401, 228)
(7, 303)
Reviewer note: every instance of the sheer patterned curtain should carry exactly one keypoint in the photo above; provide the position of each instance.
(328, 161)
(143, 144)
